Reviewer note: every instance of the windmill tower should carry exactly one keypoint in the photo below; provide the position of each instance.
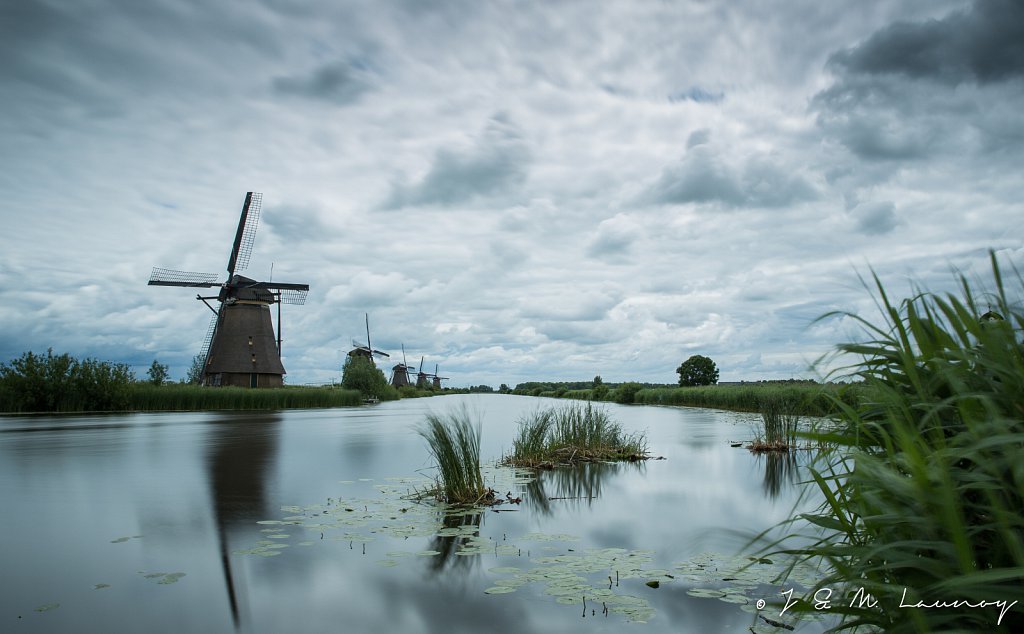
(421, 377)
(400, 373)
(240, 348)
(366, 351)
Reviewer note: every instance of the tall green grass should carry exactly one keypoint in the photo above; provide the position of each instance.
(925, 495)
(779, 424)
(454, 443)
(148, 397)
(810, 399)
(570, 433)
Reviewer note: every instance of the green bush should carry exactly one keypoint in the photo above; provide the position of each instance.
(625, 394)
(61, 383)
(360, 374)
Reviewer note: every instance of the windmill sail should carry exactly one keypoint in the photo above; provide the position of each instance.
(245, 235)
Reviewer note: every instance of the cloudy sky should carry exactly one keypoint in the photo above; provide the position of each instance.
(513, 190)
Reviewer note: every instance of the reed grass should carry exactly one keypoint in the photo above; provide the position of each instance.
(924, 500)
(810, 399)
(454, 442)
(573, 433)
(148, 397)
(779, 424)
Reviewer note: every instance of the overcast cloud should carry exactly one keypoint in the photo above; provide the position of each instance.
(512, 190)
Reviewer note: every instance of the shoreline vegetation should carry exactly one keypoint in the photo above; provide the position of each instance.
(923, 487)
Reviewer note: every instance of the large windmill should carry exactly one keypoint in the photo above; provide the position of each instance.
(240, 348)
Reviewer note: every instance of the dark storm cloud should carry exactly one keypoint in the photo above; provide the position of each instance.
(338, 82)
(983, 44)
(913, 89)
(495, 165)
(705, 176)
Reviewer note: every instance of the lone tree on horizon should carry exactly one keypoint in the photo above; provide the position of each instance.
(697, 370)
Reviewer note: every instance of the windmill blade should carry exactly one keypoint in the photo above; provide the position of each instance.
(293, 296)
(171, 277)
(246, 233)
(381, 353)
(205, 350)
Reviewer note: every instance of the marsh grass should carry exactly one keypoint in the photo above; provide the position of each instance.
(809, 398)
(147, 397)
(925, 493)
(573, 433)
(779, 425)
(454, 442)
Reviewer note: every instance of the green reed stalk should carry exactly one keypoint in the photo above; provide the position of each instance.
(571, 433)
(454, 443)
(925, 495)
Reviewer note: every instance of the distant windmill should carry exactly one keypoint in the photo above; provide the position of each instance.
(438, 378)
(366, 351)
(421, 377)
(400, 373)
(240, 347)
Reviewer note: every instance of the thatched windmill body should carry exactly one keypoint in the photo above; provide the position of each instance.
(241, 348)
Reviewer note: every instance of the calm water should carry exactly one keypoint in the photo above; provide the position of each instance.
(101, 511)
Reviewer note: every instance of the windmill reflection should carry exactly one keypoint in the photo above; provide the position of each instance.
(780, 470)
(241, 450)
(574, 485)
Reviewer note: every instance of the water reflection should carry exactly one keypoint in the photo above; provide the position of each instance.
(468, 524)
(780, 471)
(574, 486)
(241, 451)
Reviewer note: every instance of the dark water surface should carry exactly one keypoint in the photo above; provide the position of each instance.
(101, 514)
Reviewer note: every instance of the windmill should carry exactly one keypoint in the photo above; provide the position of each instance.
(240, 347)
(421, 377)
(437, 378)
(400, 373)
(366, 351)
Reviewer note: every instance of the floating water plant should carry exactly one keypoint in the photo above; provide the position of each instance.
(570, 434)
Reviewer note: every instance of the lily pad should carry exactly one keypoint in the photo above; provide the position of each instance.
(171, 578)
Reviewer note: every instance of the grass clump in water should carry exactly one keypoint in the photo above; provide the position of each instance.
(454, 443)
(570, 434)
(924, 498)
(779, 425)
